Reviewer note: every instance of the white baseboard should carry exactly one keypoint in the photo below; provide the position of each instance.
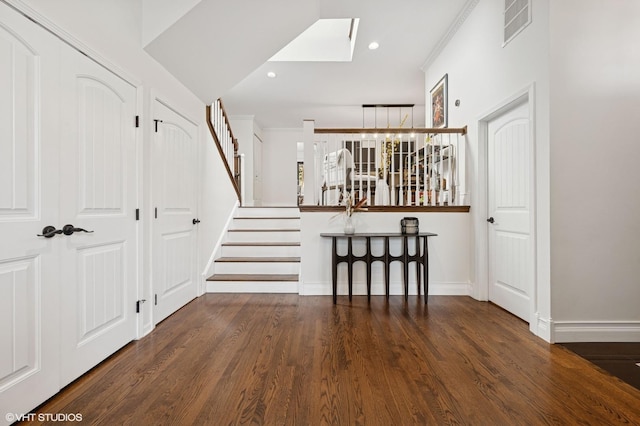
(542, 327)
(377, 289)
(594, 331)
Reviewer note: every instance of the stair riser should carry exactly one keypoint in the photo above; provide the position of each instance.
(257, 223)
(252, 287)
(280, 268)
(260, 251)
(268, 212)
(266, 236)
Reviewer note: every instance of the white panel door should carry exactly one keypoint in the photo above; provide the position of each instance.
(510, 251)
(29, 280)
(174, 183)
(97, 193)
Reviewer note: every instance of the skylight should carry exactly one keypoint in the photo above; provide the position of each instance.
(327, 40)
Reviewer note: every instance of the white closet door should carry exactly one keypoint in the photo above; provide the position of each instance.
(175, 168)
(97, 193)
(510, 245)
(29, 271)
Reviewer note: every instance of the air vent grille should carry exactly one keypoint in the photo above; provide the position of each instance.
(517, 15)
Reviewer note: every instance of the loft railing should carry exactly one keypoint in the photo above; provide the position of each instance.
(388, 167)
(226, 143)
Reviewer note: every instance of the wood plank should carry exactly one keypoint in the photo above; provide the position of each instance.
(289, 359)
(253, 277)
(262, 244)
(258, 259)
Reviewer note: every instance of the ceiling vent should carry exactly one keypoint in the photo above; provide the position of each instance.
(517, 15)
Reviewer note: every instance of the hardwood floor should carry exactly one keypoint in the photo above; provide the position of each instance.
(295, 360)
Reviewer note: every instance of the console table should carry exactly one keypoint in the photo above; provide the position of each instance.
(386, 258)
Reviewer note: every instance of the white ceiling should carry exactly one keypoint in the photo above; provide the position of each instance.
(331, 93)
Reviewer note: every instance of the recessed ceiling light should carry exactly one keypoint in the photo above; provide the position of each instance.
(373, 45)
(271, 74)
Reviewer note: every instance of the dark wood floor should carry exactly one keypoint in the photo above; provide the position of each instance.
(291, 360)
(622, 359)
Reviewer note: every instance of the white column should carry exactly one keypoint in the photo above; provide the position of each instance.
(310, 190)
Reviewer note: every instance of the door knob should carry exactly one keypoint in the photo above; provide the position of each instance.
(70, 229)
(50, 232)
(195, 221)
(491, 220)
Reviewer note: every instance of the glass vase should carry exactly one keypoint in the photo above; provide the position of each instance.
(349, 227)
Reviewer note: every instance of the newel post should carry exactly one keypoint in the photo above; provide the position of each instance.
(310, 193)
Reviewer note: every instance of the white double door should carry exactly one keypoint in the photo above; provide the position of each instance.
(67, 157)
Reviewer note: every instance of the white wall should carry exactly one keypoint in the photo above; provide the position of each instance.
(483, 75)
(448, 253)
(158, 15)
(279, 166)
(243, 128)
(595, 128)
(583, 60)
(112, 29)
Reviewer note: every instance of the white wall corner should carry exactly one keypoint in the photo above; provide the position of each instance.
(159, 15)
(542, 327)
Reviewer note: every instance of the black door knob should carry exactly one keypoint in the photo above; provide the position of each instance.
(50, 232)
(195, 221)
(70, 229)
(491, 220)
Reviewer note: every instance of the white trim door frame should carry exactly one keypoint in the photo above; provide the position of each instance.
(481, 292)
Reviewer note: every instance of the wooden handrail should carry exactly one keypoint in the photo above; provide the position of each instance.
(460, 130)
(221, 151)
(224, 114)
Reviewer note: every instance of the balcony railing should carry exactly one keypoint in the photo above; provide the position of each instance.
(388, 167)
(226, 143)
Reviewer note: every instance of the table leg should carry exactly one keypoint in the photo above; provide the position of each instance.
(425, 268)
(387, 265)
(405, 266)
(418, 263)
(350, 267)
(369, 269)
(334, 268)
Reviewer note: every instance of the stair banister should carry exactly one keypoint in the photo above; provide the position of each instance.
(226, 143)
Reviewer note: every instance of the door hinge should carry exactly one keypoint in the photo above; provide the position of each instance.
(157, 121)
(156, 299)
(138, 303)
(137, 121)
(137, 214)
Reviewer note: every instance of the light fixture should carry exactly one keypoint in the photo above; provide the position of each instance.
(271, 74)
(373, 45)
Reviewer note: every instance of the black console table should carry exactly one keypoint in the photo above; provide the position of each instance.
(386, 258)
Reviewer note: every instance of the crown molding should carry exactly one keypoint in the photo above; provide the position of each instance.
(453, 29)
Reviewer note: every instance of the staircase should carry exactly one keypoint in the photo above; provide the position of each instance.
(261, 252)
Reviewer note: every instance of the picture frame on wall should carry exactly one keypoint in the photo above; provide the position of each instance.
(439, 104)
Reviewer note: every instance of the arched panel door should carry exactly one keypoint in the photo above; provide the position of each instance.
(98, 194)
(29, 271)
(174, 264)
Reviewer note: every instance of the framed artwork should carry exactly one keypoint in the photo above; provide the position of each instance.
(439, 112)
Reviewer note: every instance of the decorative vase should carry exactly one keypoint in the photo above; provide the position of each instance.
(349, 227)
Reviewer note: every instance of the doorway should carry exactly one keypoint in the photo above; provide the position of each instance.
(510, 208)
(175, 220)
